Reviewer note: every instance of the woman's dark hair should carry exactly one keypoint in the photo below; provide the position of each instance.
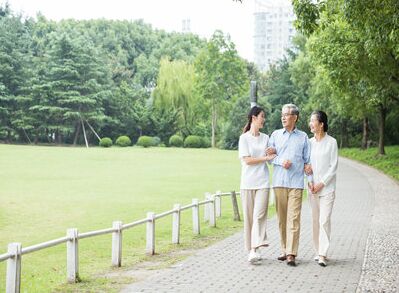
(255, 111)
(322, 118)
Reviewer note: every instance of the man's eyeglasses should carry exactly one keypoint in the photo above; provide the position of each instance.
(286, 114)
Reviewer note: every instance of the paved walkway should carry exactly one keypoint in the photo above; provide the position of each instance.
(223, 267)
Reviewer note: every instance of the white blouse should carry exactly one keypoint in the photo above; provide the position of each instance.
(324, 161)
(253, 176)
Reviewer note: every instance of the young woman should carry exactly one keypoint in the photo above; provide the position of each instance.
(324, 162)
(254, 182)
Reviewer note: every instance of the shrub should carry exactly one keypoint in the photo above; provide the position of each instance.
(145, 141)
(105, 142)
(156, 141)
(206, 142)
(193, 141)
(176, 141)
(123, 141)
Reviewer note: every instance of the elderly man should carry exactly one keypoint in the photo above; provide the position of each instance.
(293, 154)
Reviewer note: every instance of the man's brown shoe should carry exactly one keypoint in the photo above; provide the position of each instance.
(282, 257)
(291, 260)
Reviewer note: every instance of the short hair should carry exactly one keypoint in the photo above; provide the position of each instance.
(322, 118)
(293, 108)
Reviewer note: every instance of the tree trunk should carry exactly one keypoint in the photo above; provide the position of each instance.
(381, 129)
(214, 124)
(77, 132)
(84, 133)
(366, 130)
(344, 134)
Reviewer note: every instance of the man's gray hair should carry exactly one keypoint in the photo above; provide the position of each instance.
(293, 109)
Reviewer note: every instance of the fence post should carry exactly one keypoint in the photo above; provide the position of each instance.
(212, 214)
(196, 216)
(176, 224)
(72, 256)
(206, 207)
(235, 206)
(218, 204)
(117, 244)
(13, 282)
(150, 246)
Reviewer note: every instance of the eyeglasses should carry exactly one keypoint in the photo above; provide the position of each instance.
(286, 115)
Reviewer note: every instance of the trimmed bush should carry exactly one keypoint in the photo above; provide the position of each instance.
(123, 141)
(193, 141)
(145, 141)
(156, 141)
(105, 142)
(206, 142)
(176, 141)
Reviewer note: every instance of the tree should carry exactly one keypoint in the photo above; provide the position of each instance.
(356, 43)
(221, 77)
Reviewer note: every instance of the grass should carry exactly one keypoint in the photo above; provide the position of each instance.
(388, 164)
(46, 190)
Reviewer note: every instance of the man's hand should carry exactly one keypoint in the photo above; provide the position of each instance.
(317, 187)
(286, 164)
(270, 151)
(308, 169)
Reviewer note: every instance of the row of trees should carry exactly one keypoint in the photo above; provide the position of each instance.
(63, 81)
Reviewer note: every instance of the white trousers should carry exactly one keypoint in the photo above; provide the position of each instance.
(254, 206)
(321, 218)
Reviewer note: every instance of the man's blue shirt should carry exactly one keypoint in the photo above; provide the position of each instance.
(292, 146)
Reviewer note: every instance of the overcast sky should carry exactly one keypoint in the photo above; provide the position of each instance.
(205, 16)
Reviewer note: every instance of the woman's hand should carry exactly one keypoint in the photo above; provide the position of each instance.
(270, 157)
(318, 187)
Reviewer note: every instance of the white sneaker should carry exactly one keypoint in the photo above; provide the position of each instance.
(258, 254)
(316, 258)
(253, 257)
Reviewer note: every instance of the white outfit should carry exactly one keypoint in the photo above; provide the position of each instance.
(253, 176)
(324, 161)
(254, 189)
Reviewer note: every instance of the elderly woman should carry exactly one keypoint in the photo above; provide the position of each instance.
(324, 162)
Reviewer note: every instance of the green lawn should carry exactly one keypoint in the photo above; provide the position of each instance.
(389, 164)
(45, 190)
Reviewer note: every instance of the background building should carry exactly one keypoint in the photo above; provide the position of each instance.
(274, 30)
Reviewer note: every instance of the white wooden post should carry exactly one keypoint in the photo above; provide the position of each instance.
(196, 216)
(176, 224)
(272, 197)
(212, 214)
(13, 282)
(150, 246)
(206, 207)
(218, 204)
(117, 244)
(72, 256)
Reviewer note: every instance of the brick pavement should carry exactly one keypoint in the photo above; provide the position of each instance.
(223, 267)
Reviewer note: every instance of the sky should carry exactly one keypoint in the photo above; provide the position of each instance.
(205, 16)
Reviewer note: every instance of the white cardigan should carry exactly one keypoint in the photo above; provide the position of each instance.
(324, 161)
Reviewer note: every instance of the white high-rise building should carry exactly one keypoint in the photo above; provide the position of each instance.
(186, 25)
(274, 30)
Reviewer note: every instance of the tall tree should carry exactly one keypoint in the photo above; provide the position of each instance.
(221, 77)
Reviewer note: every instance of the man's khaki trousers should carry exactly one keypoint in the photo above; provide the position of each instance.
(288, 208)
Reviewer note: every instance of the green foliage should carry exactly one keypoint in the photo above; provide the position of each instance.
(205, 142)
(145, 141)
(176, 141)
(193, 141)
(221, 77)
(105, 142)
(156, 141)
(123, 141)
